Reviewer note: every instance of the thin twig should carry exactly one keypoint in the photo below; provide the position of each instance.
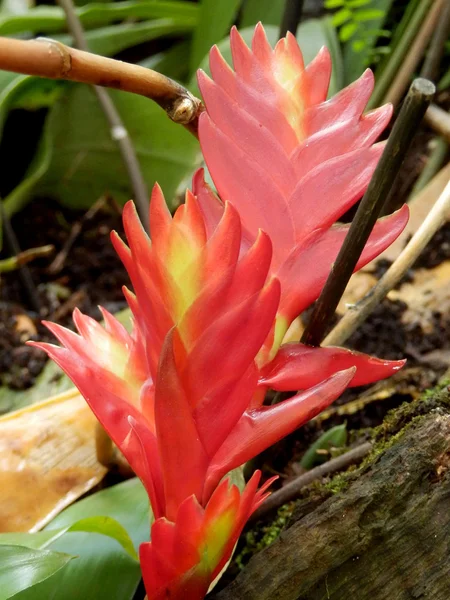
(359, 313)
(58, 262)
(51, 59)
(119, 132)
(413, 109)
(24, 272)
(439, 120)
(291, 490)
(415, 54)
(433, 58)
(15, 262)
(291, 17)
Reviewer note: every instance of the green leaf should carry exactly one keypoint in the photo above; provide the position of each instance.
(368, 15)
(102, 569)
(341, 17)
(109, 527)
(347, 31)
(111, 40)
(358, 45)
(318, 453)
(356, 61)
(101, 525)
(22, 568)
(86, 162)
(335, 3)
(356, 3)
(36, 541)
(51, 19)
(172, 62)
(269, 12)
(215, 19)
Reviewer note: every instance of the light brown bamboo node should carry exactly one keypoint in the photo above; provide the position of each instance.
(49, 58)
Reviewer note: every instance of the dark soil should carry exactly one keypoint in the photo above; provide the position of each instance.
(91, 274)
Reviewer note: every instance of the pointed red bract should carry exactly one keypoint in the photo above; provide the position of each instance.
(186, 555)
(215, 291)
(289, 160)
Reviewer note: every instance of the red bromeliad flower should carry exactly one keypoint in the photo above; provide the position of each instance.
(186, 555)
(182, 395)
(290, 161)
(202, 312)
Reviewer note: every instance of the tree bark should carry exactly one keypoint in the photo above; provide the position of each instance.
(386, 536)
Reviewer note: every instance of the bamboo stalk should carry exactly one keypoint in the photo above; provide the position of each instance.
(394, 63)
(439, 120)
(359, 313)
(48, 58)
(432, 166)
(415, 54)
(433, 59)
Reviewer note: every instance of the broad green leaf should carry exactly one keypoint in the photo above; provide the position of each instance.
(111, 40)
(22, 568)
(269, 12)
(36, 541)
(171, 62)
(101, 525)
(312, 35)
(102, 569)
(51, 19)
(214, 21)
(109, 527)
(356, 58)
(318, 453)
(86, 162)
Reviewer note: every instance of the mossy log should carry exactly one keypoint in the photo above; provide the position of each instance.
(384, 536)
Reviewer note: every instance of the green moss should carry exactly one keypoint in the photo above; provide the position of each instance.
(396, 423)
(405, 417)
(260, 537)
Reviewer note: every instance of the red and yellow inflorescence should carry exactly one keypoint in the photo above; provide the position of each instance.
(215, 290)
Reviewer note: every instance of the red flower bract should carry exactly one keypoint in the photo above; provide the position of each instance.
(182, 395)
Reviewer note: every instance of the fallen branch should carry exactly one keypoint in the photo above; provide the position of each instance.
(359, 313)
(292, 489)
(48, 58)
(439, 120)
